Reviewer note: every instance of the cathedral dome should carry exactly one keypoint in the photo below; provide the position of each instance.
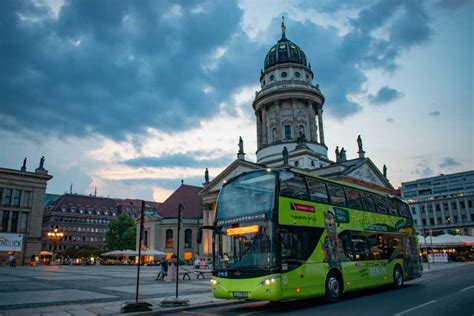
(284, 51)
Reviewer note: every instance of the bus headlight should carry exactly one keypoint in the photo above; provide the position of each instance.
(269, 281)
(214, 282)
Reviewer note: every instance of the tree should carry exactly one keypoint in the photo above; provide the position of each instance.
(122, 233)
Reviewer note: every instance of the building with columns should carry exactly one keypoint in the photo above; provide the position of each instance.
(289, 109)
(290, 132)
(22, 196)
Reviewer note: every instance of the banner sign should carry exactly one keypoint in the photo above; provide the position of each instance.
(303, 208)
(11, 242)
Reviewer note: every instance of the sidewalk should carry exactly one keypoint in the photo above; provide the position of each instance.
(442, 266)
(113, 308)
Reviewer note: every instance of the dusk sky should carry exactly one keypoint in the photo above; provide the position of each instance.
(133, 96)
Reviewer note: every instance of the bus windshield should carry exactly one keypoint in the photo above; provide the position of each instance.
(250, 194)
(247, 246)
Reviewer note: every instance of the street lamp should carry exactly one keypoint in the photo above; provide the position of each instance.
(55, 236)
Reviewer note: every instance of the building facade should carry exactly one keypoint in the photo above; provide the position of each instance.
(21, 210)
(290, 132)
(84, 220)
(160, 226)
(442, 204)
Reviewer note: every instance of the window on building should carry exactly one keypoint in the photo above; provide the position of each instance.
(26, 198)
(455, 219)
(454, 205)
(8, 197)
(336, 195)
(188, 238)
(430, 208)
(145, 238)
(422, 209)
(472, 217)
(431, 221)
(169, 238)
(438, 207)
(317, 191)
(445, 206)
(439, 220)
(287, 132)
(447, 220)
(14, 224)
(469, 203)
(463, 218)
(5, 218)
(413, 210)
(462, 204)
(423, 221)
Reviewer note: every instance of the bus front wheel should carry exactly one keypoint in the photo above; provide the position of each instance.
(397, 277)
(333, 287)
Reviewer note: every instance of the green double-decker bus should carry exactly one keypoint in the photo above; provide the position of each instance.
(284, 235)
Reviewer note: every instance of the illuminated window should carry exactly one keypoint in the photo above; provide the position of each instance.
(188, 238)
(169, 238)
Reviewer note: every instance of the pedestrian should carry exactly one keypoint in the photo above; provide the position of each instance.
(197, 263)
(33, 260)
(12, 261)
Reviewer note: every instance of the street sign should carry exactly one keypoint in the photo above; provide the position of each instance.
(11, 242)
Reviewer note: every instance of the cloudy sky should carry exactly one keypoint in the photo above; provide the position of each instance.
(133, 96)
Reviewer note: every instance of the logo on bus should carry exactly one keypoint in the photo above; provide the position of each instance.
(303, 208)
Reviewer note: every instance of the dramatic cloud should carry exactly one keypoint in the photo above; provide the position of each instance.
(188, 159)
(449, 162)
(422, 169)
(384, 96)
(435, 113)
(116, 69)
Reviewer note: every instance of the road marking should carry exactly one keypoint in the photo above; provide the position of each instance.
(468, 288)
(416, 307)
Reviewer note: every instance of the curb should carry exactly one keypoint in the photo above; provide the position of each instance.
(162, 311)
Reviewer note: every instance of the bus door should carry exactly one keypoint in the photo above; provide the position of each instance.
(301, 275)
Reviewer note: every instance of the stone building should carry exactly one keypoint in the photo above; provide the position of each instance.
(21, 210)
(290, 132)
(160, 226)
(84, 220)
(442, 204)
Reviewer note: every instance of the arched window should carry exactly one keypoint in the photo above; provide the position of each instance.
(169, 238)
(188, 238)
(145, 238)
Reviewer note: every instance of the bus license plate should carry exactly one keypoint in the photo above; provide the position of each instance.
(241, 294)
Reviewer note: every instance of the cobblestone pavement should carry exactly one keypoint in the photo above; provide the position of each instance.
(102, 289)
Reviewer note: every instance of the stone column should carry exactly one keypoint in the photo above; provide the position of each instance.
(312, 123)
(294, 108)
(320, 124)
(259, 129)
(264, 127)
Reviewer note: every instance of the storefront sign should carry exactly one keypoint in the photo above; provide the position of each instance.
(11, 242)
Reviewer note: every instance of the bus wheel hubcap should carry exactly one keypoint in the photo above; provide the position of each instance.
(334, 287)
(398, 277)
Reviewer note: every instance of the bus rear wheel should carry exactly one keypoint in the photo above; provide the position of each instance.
(333, 287)
(397, 277)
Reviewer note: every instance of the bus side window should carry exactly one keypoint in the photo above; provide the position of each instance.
(368, 201)
(294, 187)
(353, 198)
(392, 207)
(317, 191)
(360, 248)
(336, 194)
(403, 209)
(345, 237)
(382, 206)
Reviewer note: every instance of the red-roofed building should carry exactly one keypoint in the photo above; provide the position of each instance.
(160, 227)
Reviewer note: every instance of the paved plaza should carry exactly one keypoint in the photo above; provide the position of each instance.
(85, 290)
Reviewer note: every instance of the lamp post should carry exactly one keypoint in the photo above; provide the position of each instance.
(176, 302)
(55, 235)
(137, 306)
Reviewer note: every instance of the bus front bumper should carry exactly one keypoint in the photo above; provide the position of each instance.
(261, 288)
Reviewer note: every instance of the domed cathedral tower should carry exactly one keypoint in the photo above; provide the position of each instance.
(289, 110)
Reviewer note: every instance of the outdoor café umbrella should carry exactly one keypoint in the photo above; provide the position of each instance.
(45, 253)
(153, 252)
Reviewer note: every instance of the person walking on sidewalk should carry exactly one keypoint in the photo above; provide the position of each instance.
(12, 261)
